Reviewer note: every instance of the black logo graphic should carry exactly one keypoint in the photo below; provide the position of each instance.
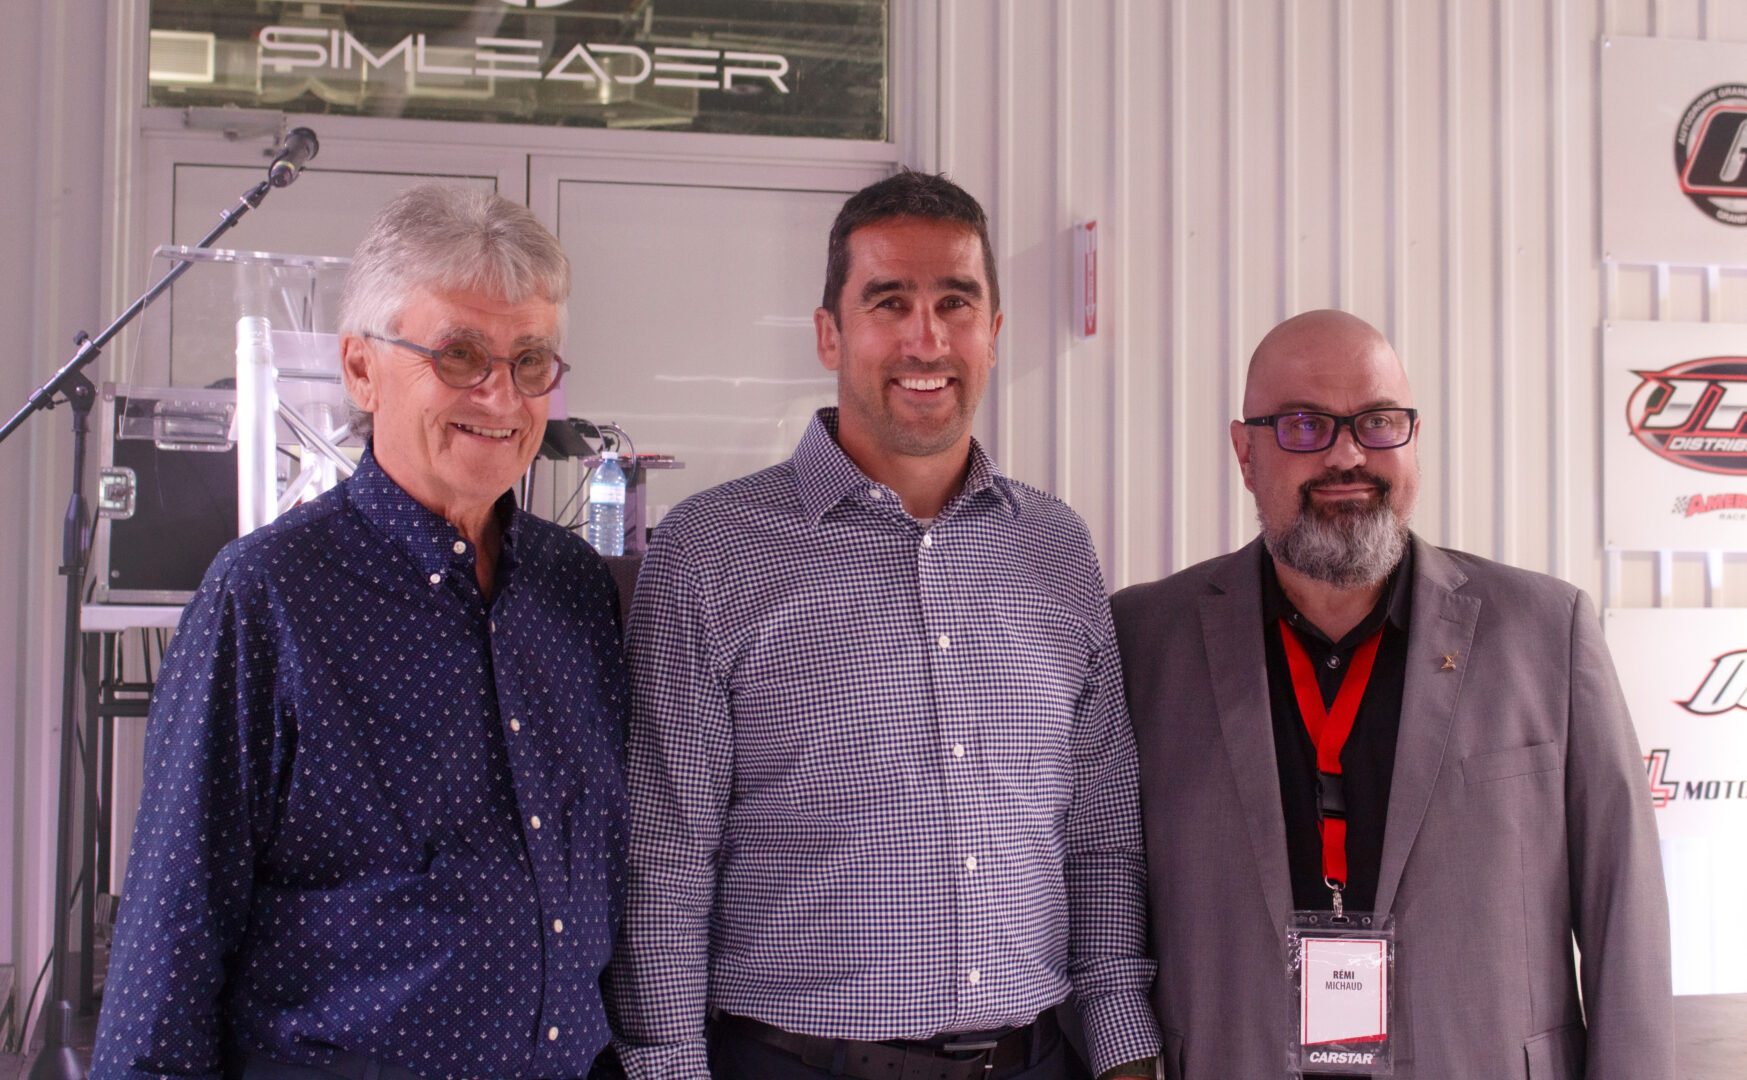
(1710, 153)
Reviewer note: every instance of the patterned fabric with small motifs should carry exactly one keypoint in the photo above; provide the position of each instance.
(380, 814)
(882, 778)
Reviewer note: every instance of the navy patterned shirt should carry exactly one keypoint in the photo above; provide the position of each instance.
(882, 778)
(382, 815)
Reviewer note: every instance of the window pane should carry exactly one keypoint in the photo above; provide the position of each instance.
(729, 387)
(766, 67)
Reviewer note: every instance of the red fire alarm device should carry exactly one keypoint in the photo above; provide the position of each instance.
(1085, 279)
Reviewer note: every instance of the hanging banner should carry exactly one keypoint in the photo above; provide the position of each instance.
(1674, 151)
(1674, 436)
(1684, 673)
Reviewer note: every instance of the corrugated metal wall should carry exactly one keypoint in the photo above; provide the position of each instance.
(1432, 165)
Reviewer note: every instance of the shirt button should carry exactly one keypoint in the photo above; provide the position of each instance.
(1334, 661)
(460, 547)
(958, 749)
(971, 863)
(944, 642)
(927, 539)
(551, 1034)
(973, 977)
(436, 579)
(515, 725)
(558, 926)
(875, 493)
(534, 821)
(492, 623)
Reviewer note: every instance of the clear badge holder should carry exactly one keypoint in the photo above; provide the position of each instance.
(1341, 966)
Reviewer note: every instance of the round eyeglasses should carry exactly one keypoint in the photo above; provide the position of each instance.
(465, 364)
(1310, 432)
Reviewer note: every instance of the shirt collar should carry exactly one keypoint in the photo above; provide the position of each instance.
(1394, 606)
(426, 537)
(825, 475)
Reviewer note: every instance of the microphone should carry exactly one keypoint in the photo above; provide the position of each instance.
(300, 146)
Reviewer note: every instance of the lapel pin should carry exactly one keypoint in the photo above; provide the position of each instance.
(1449, 661)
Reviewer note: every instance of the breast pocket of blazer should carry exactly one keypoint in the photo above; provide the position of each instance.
(1495, 765)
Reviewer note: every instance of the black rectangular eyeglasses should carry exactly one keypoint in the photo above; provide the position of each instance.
(1310, 432)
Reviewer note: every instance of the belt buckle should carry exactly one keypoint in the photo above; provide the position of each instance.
(984, 1047)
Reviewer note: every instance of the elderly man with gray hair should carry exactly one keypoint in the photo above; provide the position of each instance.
(381, 829)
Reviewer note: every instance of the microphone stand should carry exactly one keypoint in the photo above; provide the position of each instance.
(69, 384)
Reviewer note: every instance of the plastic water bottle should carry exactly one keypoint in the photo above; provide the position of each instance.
(606, 506)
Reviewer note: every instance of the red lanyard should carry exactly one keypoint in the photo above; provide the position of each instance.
(1329, 730)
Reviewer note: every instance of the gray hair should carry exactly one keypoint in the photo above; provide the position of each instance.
(1344, 546)
(439, 236)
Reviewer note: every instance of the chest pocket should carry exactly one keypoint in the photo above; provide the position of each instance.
(1504, 764)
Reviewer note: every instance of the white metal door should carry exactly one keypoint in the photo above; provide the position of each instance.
(691, 317)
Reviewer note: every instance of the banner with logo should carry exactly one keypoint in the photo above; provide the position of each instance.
(1684, 673)
(800, 67)
(1674, 151)
(1674, 436)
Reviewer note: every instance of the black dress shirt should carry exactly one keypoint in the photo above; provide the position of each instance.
(383, 812)
(1367, 759)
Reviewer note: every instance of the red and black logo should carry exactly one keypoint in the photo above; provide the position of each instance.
(1710, 153)
(1664, 789)
(1694, 413)
(1732, 505)
(1724, 686)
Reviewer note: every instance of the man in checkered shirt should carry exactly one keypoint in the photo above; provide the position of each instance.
(884, 811)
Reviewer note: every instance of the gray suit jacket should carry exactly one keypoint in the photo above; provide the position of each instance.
(1519, 816)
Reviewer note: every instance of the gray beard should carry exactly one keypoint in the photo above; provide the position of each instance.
(1345, 547)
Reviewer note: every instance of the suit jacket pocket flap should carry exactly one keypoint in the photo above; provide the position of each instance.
(1517, 761)
(1556, 1054)
(1171, 1055)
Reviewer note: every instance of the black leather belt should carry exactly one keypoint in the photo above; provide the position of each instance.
(970, 1056)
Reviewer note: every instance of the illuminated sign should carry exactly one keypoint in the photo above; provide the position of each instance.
(284, 48)
(704, 65)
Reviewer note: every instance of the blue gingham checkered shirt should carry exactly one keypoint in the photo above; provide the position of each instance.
(882, 779)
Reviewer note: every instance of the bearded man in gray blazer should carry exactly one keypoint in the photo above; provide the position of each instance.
(1490, 795)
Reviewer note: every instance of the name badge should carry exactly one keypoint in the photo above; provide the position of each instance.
(1341, 967)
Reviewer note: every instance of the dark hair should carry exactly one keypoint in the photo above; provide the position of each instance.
(906, 193)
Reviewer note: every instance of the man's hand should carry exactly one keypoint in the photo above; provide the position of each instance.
(1144, 1069)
